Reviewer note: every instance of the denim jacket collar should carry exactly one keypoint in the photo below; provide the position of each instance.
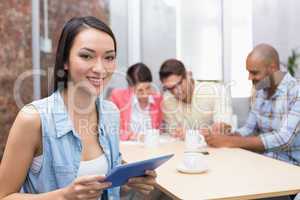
(61, 117)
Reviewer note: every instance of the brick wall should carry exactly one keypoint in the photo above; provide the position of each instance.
(15, 48)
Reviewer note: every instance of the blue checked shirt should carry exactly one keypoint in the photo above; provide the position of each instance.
(277, 121)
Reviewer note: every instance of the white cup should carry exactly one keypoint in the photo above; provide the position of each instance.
(151, 138)
(234, 123)
(194, 140)
(193, 160)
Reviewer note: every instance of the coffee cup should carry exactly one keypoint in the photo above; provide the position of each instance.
(194, 140)
(193, 160)
(151, 138)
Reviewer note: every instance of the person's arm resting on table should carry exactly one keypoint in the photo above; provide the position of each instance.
(269, 141)
(242, 139)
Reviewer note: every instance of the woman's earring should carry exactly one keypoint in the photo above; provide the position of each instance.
(61, 73)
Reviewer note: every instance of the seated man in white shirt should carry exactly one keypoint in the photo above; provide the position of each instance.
(187, 104)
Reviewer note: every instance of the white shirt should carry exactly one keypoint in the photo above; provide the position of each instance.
(140, 118)
(97, 166)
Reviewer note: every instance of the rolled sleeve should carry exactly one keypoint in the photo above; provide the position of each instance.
(250, 125)
(270, 140)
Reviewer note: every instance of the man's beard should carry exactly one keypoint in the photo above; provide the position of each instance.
(263, 84)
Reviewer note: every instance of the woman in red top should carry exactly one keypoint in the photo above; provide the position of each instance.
(139, 105)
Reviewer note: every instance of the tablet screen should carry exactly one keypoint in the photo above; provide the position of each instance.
(120, 174)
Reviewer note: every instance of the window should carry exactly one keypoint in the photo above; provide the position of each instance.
(199, 38)
(241, 45)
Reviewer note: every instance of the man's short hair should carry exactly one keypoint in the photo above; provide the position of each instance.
(171, 67)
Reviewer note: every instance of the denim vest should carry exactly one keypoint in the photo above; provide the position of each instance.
(62, 146)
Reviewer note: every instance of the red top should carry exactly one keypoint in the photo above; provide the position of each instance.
(123, 100)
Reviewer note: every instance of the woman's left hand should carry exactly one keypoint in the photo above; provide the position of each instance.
(143, 184)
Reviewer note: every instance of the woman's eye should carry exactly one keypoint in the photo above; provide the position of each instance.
(86, 56)
(110, 58)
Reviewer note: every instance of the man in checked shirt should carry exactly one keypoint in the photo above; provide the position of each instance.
(272, 127)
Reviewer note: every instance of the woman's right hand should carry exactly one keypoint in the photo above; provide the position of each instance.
(179, 132)
(85, 187)
(133, 136)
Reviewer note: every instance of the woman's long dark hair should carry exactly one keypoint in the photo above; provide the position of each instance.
(138, 73)
(71, 29)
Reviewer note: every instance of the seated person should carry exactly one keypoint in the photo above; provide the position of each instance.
(139, 105)
(273, 123)
(187, 104)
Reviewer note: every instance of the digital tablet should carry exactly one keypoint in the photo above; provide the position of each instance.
(120, 174)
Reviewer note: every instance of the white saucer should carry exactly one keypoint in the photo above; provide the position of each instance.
(181, 168)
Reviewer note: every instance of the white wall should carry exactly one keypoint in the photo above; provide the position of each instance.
(199, 38)
(277, 22)
(119, 25)
(146, 35)
(158, 26)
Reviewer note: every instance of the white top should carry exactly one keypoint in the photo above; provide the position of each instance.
(97, 166)
(140, 118)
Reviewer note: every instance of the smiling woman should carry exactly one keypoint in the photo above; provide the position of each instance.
(90, 64)
(85, 56)
(54, 140)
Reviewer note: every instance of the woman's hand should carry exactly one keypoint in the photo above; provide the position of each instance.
(143, 184)
(134, 136)
(179, 132)
(85, 187)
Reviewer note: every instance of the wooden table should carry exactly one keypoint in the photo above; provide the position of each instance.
(232, 174)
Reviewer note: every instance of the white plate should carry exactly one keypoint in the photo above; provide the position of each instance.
(181, 168)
